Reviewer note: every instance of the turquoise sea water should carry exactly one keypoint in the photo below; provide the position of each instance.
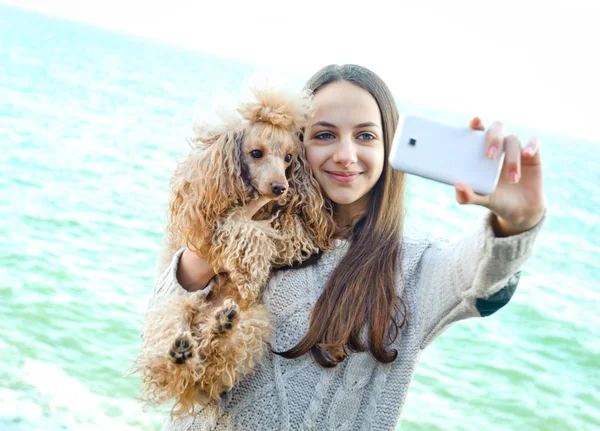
(91, 123)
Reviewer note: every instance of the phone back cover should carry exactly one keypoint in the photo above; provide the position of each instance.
(443, 153)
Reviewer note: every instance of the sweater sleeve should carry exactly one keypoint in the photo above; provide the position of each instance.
(166, 284)
(470, 278)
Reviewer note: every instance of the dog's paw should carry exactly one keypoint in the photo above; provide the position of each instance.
(182, 349)
(225, 317)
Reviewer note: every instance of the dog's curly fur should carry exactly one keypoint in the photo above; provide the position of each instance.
(197, 346)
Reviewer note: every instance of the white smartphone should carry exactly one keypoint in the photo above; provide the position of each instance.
(444, 153)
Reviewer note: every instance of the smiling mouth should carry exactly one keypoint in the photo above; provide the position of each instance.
(343, 177)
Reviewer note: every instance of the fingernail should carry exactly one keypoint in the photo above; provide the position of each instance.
(529, 150)
(513, 177)
(492, 151)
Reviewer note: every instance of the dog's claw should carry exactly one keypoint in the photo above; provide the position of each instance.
(182, 349)
(224, 318)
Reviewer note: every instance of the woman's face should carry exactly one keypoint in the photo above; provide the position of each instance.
(344, 144)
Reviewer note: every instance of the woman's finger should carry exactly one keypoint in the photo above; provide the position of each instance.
(466, 196)
(531, 153)
(512, 158)
(476, 124)
(494, 139)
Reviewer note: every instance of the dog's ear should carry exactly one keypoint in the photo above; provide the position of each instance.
(205, 186)
(308, 202)
(208, 132)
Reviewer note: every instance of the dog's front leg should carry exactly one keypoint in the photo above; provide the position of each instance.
(295, 244)
(252, 271)
(245, 249)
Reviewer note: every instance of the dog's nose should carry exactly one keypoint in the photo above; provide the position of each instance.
(278, 188)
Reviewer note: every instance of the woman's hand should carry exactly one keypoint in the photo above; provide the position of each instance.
(194, 272)
(253, 206)
(518, 201)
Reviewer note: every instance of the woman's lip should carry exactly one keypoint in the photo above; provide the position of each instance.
(343, 177)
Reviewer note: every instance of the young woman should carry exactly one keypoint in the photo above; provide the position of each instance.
(350, 327)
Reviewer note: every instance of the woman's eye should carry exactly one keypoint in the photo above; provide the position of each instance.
(325, 136)
(288, 158)
(366, 136)
(257, 154)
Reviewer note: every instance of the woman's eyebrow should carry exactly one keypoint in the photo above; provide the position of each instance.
(367, 124)
(358, 126)
(324, 124)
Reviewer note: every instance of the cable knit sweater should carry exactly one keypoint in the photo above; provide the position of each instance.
(443, 283)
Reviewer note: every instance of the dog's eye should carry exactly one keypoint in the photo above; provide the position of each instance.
(288, 158)
(257, 154)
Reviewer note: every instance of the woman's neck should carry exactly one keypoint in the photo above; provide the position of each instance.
(346, 215)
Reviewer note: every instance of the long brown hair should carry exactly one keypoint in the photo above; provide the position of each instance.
(361, 291)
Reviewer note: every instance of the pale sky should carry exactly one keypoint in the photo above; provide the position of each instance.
(534, 63)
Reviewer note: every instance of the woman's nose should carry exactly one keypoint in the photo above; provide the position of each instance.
(345, 153)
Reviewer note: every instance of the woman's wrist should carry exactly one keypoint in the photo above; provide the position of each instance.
(194, 273)
(504, 228)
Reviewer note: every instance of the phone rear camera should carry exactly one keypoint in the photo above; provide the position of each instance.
(412, 142)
